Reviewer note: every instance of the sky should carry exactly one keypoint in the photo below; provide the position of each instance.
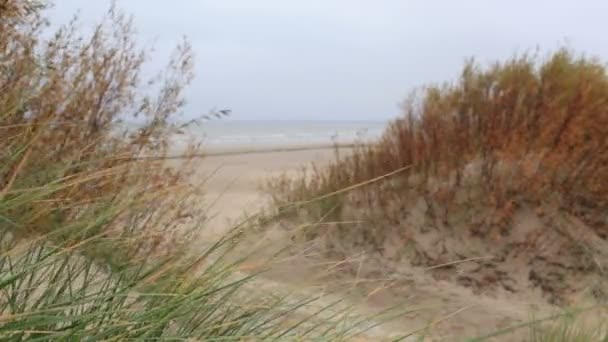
(342, 59)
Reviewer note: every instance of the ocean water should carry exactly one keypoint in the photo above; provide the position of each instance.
(232, 134)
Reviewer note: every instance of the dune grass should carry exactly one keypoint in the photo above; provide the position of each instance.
(544, 118)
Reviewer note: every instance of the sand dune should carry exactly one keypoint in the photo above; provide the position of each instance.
(233, 188)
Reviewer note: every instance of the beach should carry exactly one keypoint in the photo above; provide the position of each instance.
(241, 156)
(234, 181)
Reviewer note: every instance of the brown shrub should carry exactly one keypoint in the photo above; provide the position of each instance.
(538, 130)
(63, 152)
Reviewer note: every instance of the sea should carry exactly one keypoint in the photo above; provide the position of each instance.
(265, 135)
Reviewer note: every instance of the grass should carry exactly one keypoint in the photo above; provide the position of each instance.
(52, 292)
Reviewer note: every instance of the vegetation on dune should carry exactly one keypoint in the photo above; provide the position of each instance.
(546, 119)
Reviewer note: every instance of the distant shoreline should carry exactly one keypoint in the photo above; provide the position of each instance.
(271, 149)
(218, 152)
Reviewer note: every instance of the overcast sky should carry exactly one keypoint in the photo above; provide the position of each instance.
(344, 59)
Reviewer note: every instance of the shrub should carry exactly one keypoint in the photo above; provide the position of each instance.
(64, 153)
(543, 121)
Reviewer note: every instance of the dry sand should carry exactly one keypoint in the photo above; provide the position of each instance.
(234, 181)
(233, 188)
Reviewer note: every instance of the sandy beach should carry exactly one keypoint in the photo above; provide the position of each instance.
(234, 180)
